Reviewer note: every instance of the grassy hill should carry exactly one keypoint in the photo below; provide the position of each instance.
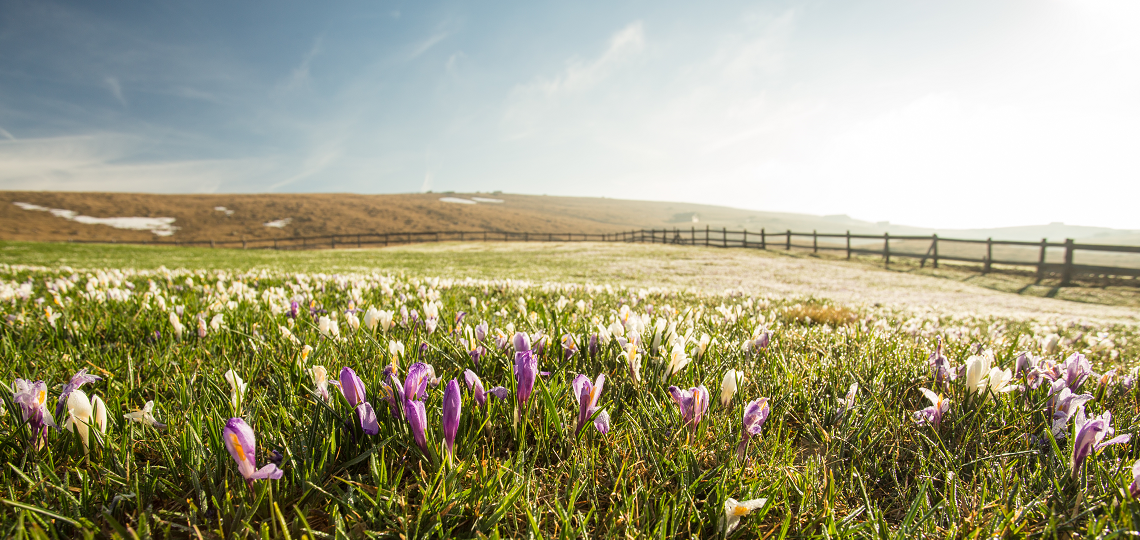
(235, 216)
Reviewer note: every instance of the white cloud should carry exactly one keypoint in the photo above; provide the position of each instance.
(426, 44)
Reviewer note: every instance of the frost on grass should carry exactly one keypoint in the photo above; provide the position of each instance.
(510, 408)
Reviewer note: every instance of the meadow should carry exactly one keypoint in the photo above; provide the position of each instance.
(421, 393)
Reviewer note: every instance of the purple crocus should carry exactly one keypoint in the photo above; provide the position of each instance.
(452, 405)
(79, 379)
(417, 421)
(415, 384)
(569, 346)
(478, 392)
(941, 365)
(526, 367)
(481, 331)
(242, 444)
(353, 390)
(939, 407)
(1088, 437)
(32, 399)
(1065, 404)
(755, 413)
(1075, 370)
(294, 309)
(587, 394)
(592, 345)
(692, 402)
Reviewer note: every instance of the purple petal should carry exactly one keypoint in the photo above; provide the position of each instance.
(352, 387)
(452, 405)
(367, 418)
(602, 422)
(268, 472)
(1119, 439)
(415, 384)
(577, 385)
(417, 421)
(499, 392)
(526, 369)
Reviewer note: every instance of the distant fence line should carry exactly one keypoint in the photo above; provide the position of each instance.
(851, 244)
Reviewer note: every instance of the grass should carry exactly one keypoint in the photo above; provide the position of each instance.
(826, 471)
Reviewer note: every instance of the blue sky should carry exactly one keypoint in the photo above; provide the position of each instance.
(943, 114)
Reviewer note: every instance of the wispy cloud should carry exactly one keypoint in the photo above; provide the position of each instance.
(301, 77)
(4, 133)
(115, 88)
(423, 46)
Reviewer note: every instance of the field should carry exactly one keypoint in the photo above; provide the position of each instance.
(843, 442)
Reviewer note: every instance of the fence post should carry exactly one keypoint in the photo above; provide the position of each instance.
(1041, 261)
(1067, 273)
(275, 244)
(763, 239)
(243, 242)
(744, 239)
(706, 236)
(788, 241)
(989, 255)
(358, 241)
(934, 246)
(526, 237)
(211, 242)
(332, 241)
(887, 249)
(724, 237)
(814, 242)
(848, 245)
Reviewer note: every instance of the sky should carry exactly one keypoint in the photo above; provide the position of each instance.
(956, 114)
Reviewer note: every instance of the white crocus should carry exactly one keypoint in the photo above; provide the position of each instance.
(999, 380)
(677, 361)
(178, 328)
(353, 321)
(729, 385)
(1049, 343)
(320, 381)
(977, 369)
(734, 510)
(324, 326)
(371, 318)
(145, 416)
(216, 322)
(396, 348)
(237, 388)
(633, 358)
(83, 414)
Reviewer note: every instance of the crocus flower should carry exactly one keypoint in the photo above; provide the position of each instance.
(452, 405)
(692, 403)
(481, 330)
(1088, 437)
(1065, 404)
(587, 395)
(477, 391)
(145, 416)
(237, 388)
(939, 407)
(415, 384)
(320, 381)
(32, 399)
(755, 413)
(84, 414)
(848, 402)
(1049, 343)
(79, 379)
(1076, 369)
(999, 381)
(201, 327)
(633, 360)
(526, 368)
(729, 384)
(242, 445)
(941, 365)
(734, 510)
(352, 388)
(174, 322)
(677, 361)
(1134, 487)
(977, 369)
(417, 421)
(569, 346)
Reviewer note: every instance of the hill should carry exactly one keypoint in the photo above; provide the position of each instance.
(132, 217)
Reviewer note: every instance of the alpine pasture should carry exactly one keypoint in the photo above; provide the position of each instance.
(445, 392)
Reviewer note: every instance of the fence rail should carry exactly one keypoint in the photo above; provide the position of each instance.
(1047, 258)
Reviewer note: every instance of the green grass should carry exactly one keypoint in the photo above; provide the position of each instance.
(870, 473)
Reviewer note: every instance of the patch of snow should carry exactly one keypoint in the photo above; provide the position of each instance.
(456, 200)
(224, 209)
(486, 200)
(279, 224)
(160, 226)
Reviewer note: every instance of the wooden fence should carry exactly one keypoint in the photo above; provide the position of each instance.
(1047, 258)
(1066, 259)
